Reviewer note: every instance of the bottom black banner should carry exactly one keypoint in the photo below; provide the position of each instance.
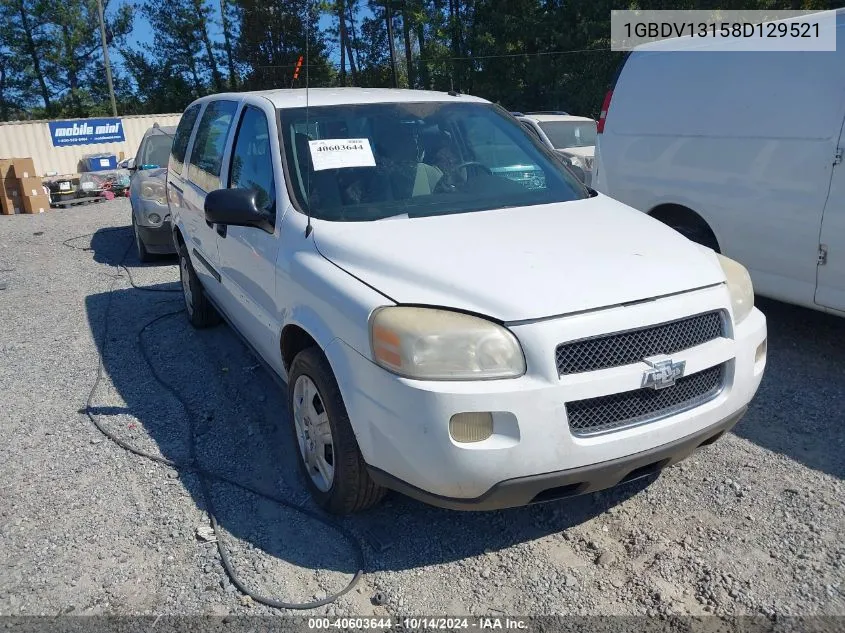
(527, 624)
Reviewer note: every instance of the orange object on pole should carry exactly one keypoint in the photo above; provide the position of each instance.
(298, 66)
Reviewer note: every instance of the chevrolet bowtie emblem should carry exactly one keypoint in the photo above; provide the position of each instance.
(663, 373)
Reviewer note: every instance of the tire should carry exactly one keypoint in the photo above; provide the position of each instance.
(351, 489)
(140, 248)
(201, 313)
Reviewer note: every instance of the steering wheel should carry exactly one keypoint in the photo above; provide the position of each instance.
(450, 180)
(472, 163)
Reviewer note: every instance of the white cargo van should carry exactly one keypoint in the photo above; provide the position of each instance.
(741, 152)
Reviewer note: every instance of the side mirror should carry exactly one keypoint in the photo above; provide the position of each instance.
(236, 207)
(130, 164)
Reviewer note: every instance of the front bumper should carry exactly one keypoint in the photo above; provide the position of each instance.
(158, 239)
(402, 425)
(570, 483)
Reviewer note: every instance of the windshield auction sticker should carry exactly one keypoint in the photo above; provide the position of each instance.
(340, 153)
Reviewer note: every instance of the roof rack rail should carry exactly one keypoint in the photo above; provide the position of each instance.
(517, 114)
(561, 112)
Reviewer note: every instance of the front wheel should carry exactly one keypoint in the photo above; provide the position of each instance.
(200, 312)
(330, 459)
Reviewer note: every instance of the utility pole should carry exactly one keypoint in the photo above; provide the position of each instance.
(106, 57)
(389, 18)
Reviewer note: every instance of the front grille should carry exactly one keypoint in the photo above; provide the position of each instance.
(630, 408)
(625, 348)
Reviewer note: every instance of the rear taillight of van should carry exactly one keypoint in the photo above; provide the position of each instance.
(604, 108)
(606, 105)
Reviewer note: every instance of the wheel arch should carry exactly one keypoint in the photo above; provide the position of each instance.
(688, 222)
(294, 338)
(304, 328)
(178, 237)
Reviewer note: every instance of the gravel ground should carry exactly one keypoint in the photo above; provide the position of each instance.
(750, 525)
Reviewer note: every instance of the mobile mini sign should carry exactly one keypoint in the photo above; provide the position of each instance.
(86, 132)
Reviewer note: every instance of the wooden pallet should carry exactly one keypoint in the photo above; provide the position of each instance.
(75, 202)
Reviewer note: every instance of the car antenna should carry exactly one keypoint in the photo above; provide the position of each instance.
(308, 227)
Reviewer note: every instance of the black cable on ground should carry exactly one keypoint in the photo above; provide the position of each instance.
(192, 465)
(122, 265)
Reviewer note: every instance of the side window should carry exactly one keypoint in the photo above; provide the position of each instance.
(181, 138)
(207, 154)
(252, 160)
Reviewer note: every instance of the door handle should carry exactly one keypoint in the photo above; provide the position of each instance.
(221, 230)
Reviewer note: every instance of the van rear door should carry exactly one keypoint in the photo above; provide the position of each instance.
(830, 287)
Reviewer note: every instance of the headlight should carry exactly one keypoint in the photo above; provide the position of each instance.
(431, 344)
(740, 287)
(152, 190)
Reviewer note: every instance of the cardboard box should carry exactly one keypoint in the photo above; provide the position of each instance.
(5, 168)
(10, 206)
(32, 187)
(36, 204)
(22, 168)
(10, 188)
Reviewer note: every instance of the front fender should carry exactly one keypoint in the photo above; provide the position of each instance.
(308, 319)
(317, 295)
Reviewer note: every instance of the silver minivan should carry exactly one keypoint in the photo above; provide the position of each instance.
(147, 194)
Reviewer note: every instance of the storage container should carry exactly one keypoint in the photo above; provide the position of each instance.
(99, 162)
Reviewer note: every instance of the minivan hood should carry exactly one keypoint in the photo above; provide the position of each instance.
(159, 173)
(523, 262)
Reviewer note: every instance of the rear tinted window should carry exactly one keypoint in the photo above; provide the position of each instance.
(181, 138)
(207, 153)
(565, 134)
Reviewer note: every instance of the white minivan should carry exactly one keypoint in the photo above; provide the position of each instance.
(448, 328)
(739, 151)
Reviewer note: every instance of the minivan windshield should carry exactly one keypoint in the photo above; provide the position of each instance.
(373, 161)
(565, 134)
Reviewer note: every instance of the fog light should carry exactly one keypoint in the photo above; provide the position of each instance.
(761, 351)
(471, 427)
(154, 218)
